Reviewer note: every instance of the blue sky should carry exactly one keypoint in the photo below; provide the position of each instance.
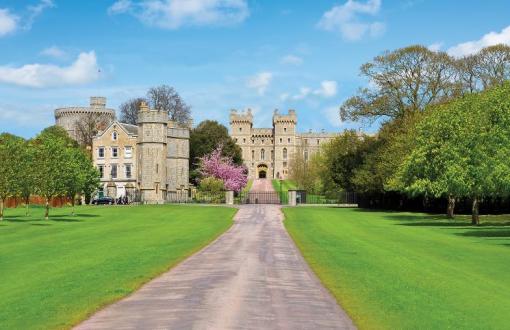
(219, 54)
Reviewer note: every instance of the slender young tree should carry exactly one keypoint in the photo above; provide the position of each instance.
(10, 149)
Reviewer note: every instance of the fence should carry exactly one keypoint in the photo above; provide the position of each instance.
(266, 197)
(342, 197)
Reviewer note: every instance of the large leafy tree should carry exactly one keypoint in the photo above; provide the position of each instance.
(402, 81)
(10, 149)
(25, 174)
(205, 138)
(50, 159)
(462, 150)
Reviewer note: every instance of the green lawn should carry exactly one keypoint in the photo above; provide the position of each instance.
(409, 271)
(54, 273)
(283, 190)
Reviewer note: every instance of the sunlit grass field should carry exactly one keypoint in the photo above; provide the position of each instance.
(409, 271)
(55, 273)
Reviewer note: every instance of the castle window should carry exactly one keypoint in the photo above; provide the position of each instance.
(115, 152)
(318, 141)
(114, 136)
(101, 171)
(281, 140)
(253, 155)
(244, 140)
(306, 141)
(114, 171)
(288, 140)
(285, 129)
(272, 154)
(284, 153)
(100, 152)
(128, 171)
(262, 154)
(284, 165)
(240, 129)
(128, 152)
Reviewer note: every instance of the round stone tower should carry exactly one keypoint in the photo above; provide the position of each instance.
(152, 152)
(67, 117)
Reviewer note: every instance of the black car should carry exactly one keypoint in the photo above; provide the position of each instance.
(103, 200)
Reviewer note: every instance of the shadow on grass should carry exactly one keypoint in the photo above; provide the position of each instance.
(494, 232)
(57, 219)
(81, 215)
(40, 224)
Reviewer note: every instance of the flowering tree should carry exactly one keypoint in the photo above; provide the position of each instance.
(215, 165)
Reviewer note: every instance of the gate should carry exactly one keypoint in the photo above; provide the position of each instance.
(266, 197)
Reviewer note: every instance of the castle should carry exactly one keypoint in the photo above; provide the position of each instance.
(267, 151)
(148, 162)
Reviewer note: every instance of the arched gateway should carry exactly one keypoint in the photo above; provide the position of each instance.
(262, 171)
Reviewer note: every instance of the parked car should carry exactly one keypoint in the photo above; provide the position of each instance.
(103, 200)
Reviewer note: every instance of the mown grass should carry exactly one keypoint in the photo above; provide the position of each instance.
(409, 271)
(282, 187)
(55, 273)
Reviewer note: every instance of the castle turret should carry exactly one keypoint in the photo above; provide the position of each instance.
(152, 152)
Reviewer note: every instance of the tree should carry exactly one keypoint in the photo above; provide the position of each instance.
(216, 165)
(25, 174)
(50, 157)
(462, 150)
(129, 110)
(166, 98)
(91, 182)
(88, 126)
(206, 137)
(10, 148)
(493, 65)
(305, 171)
(211, 184)
(404, 80)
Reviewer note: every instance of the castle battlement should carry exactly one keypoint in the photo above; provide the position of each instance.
(290, 117)
(241, 117)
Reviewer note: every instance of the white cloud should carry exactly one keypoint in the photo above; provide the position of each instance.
(435, 47)
(260, 82)
(36, 10)
(490, 39)
(120, 7)
(8, 22)
(173, 14)
(292, 60)
(81, 71)
(328, 88)
(346, 19)
(333, 116)
(54, 52)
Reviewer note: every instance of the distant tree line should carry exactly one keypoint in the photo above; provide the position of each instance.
(49, 165)
(445, 132)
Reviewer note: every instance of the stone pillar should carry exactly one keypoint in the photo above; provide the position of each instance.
(292, 197)
(229, 197)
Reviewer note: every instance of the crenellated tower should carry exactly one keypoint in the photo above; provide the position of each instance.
(152, 154)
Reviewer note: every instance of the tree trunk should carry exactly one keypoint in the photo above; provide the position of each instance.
(27, 206)
(47, 212)
(451, 207)
(72, 204)
(475, 216)
(1, 209)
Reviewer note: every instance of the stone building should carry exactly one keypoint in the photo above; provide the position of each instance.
(148, 161)
(267, 151)
(114, 155)
(68, 117)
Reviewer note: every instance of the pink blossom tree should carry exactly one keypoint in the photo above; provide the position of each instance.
(215, 165)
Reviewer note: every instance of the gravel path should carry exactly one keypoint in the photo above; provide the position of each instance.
(252, 277)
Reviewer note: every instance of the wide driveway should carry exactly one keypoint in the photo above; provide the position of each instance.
(252, 277)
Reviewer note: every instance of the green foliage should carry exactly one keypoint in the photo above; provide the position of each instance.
(406, 270)
(462, 149)
(211, 184)
(205, 138)
(11, 157)
(80, 264)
